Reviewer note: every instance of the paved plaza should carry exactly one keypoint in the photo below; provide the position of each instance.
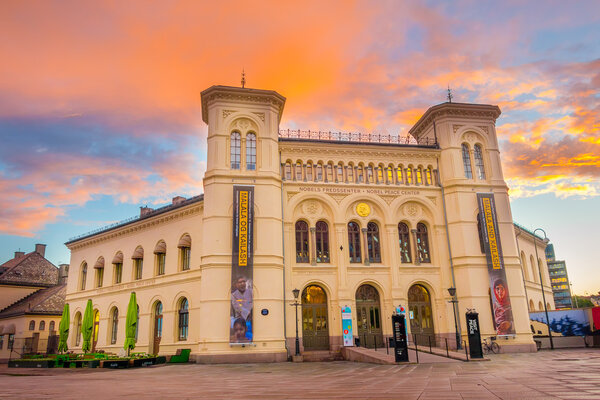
(562, 374)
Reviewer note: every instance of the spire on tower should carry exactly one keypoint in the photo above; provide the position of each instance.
(450, 96)
(243, 78)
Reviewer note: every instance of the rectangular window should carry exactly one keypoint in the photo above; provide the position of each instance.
(11, 341)
(1, 341)
(185, 258)
(99, 276)
(137, 267)
(118, 272)
(160, 263)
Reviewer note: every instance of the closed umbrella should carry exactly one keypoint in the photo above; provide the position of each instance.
(131, 324)
(87, 326)
(63, 329)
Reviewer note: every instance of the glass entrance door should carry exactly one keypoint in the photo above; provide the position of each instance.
(420, 315)
(368, 317)
(315, 329)
(158, 319)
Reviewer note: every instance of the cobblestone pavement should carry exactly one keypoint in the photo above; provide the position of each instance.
(562, 374)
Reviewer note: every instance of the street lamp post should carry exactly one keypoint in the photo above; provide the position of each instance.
(454, 301)
(537, 260)
(296, 293)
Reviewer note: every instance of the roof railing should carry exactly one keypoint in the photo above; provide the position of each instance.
(354, 137)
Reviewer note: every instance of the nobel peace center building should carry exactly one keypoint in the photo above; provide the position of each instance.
(371, 224)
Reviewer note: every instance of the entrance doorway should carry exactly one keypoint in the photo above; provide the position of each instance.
(420, 315)
(95, 330)
(158, 320)
(368, 317)
(315, 330)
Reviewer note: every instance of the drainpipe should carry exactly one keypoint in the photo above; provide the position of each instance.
(283, 258)
(457, 313)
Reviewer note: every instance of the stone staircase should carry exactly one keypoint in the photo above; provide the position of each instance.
(323, 355)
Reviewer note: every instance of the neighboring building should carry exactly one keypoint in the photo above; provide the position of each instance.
(559, 278)
(526, 245)
(32, 296)
(366, 221)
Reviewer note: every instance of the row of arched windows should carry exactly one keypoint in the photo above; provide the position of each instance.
(468, 165)
(360, 173)
(357, 237)
(236, 150)
(160, 252)
(182, 322)
(42, 326)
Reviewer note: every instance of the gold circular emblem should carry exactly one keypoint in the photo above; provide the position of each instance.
(363, 209)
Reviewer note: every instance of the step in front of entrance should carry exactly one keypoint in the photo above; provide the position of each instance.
(322, 355)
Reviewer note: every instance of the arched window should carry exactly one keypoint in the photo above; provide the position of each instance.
(419, 174)
(380, 174)
(479, 162)
(319, 172)
(32, 325)
(322, 242)
(301, 242)
(525, 269)
(466, 161)
(329, 173)
(185, 251)
(161, 255)
(373, 244)
(360, 174)
(354, 242)
(531, 306)
(118, 267)
(236, 150)
(340, 173)
(138, 262)
(370, 175)
(429, 176)
(536, 275)
(409, 176)
(298, 174)
(251, 151)
(404, 242)
(183, 319)
(77, 329)
(480, 233)
(51, 326)
(114, 324)
(390, 174)
(42, 325)
(541, 306)
(423, 243)
(309, 172)
(287, 171)
(83, 276)
(99, 268)
(400, 175)
(350, 173)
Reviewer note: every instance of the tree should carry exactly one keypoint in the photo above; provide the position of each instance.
(581, 302)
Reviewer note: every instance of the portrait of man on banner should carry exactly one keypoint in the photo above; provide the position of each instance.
(241, 310)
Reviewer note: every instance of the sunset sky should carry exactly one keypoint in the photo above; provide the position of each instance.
(100, 101)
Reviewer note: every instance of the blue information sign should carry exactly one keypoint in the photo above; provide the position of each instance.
(347, 326)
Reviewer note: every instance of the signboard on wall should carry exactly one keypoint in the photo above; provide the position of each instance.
(347, 326)
(503, 317)
(240, 327)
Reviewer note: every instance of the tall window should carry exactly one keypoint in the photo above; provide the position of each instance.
(409, 176)
(419, 174)
(319, 172)
(118, 272)
(466, 161)
(360, 174)
(287, 171)
(429, 176)
(322, 242)
(370, 175)
(373, 243)
(51, 326)
(309, 172)
(11, 341)
(301, 242)
(354, 242)
(77, 329)
(185, 250)
(329, 173)
(479, 162)
(251, 151)
(158, 310)
(399, 177)
(114, 325)
(236, 150)
(1, 341)
(390, 174)
(422, 243)
(404, 242)
(160, 263)
(138, 265)
(99, 276)
(350, 173)
(340, 173)
(83, 276)
(183, 319)
(379, 174)
(298, 171)
(42, 325)
(32, 325)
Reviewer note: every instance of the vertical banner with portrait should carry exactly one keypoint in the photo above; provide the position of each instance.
(503, 317)
(241, 327)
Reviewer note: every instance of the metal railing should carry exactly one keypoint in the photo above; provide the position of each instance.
(355, 137)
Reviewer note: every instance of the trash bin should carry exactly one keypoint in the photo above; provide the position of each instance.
(357, 341)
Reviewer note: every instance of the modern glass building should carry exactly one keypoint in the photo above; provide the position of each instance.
(559, 279)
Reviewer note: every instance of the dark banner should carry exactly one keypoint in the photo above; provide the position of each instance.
(400, 339)
(503, 318)
(240, 328)
(474, 334)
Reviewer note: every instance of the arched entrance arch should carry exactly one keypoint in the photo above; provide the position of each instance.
(315, 324)
(157, 324)
(368, 316)
(420, 314)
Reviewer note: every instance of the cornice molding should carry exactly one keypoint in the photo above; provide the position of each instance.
(296, 151)
(241, 95)
(478, 111)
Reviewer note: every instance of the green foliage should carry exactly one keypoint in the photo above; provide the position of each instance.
(581, 302)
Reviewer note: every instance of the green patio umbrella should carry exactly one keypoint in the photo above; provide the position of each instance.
(63, 329)
(131, 324)
(87, 327)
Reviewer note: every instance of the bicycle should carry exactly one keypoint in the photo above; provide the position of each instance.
(490, 347)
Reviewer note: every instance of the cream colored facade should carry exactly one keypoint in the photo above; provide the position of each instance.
(287, 190)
